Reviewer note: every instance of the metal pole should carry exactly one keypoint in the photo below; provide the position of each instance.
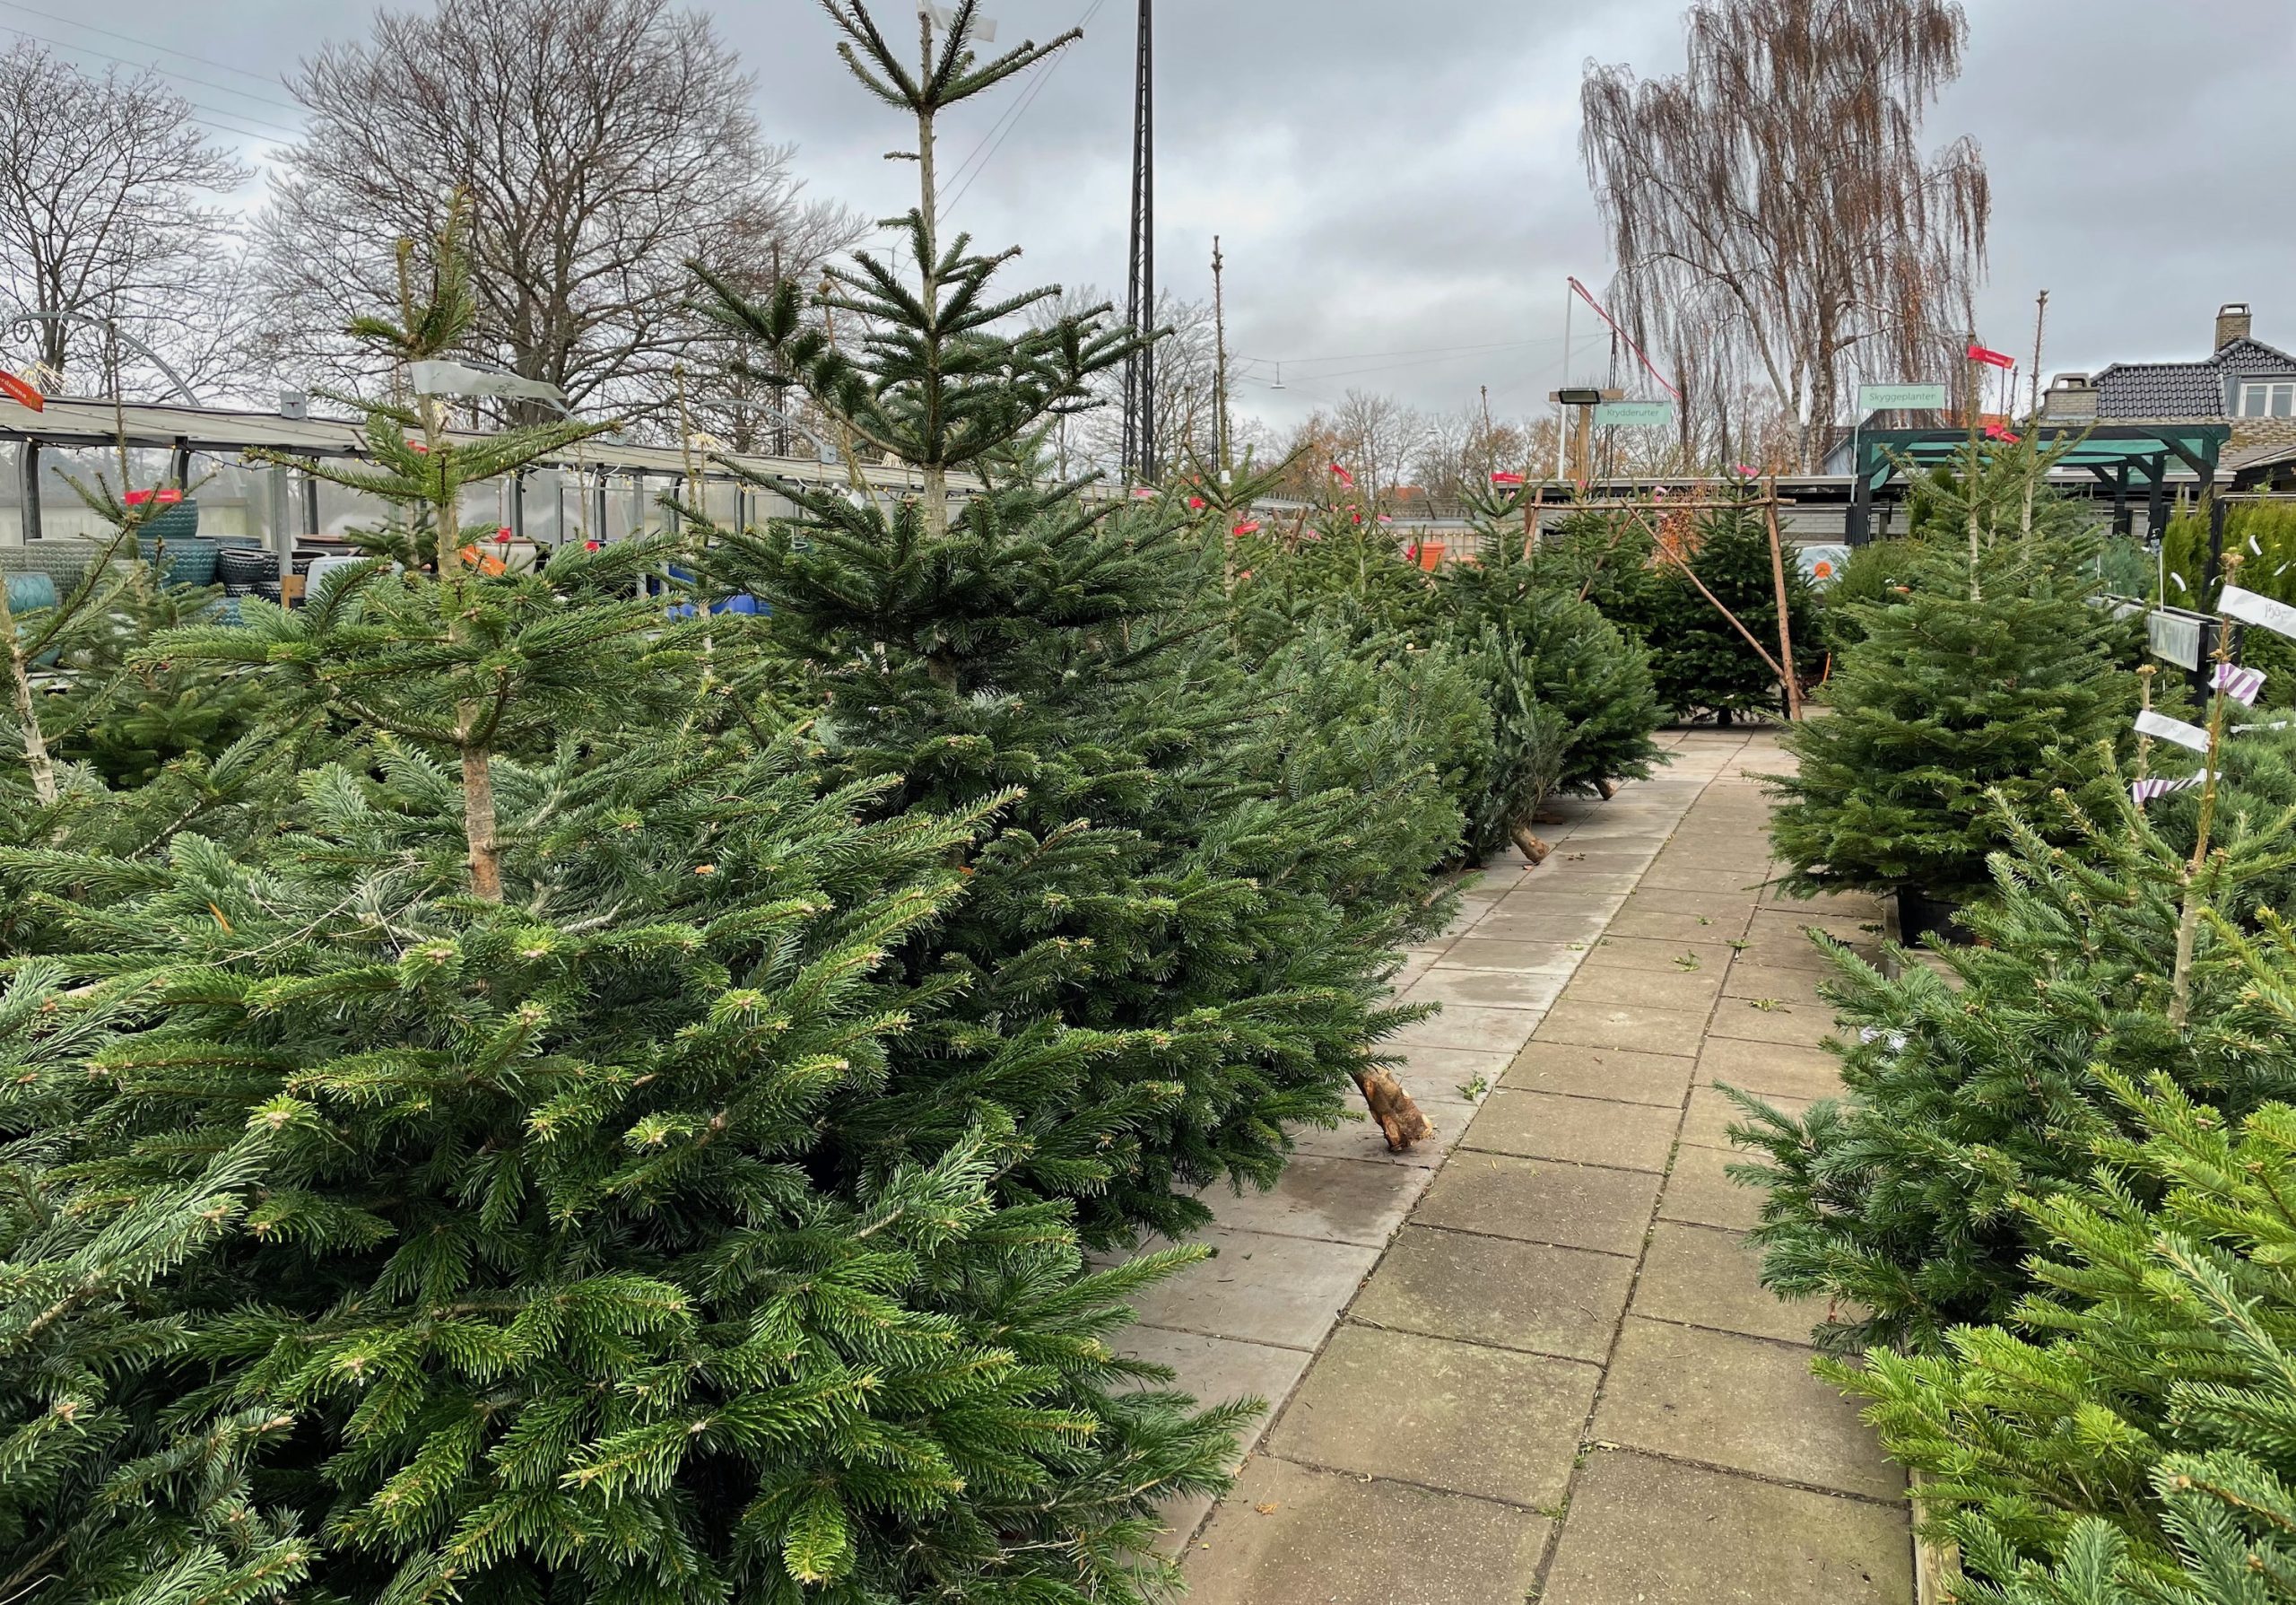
(1562, 412)
(30, 465)
(1220, 361)
(282, 538)
(1140, 296)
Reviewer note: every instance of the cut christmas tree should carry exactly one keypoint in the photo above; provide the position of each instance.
(1164, 960)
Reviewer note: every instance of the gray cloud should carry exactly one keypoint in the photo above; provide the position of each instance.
(1403, 177)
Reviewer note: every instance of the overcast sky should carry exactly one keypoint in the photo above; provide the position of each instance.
(1397, 186)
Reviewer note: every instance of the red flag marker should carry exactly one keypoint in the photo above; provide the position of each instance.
(1249, 526)
(1507, 480)
(20, 392)
(1998, 359)
(1343, 476)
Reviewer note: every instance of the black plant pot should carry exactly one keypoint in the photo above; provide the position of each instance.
(1920, 914)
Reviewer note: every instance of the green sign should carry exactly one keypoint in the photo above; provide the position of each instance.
(1634, 414)
(1891, 398)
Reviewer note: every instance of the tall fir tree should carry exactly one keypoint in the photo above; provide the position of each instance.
(1159, 967)
(1995, 672)
(431, 1195)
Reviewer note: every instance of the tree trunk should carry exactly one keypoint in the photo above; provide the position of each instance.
(479, 825)
(1533, 848)
(1399, 1119)
(20, 686)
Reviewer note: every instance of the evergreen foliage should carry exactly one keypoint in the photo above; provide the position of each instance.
(1702, 666)
(1995, 673)
(470, 1177)
(1974, 1088)
(2125, 1437)
(1572, 660)
(1161, 960)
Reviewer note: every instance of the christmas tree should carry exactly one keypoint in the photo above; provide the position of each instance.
(434, 1192)
(1567, 657)
(1995, 673)
(1699, 661)
(2114, 1443)
(1974, 1088)
(1158, 965)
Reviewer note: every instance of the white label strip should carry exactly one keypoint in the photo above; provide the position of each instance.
(2250, 608)
(2149, 723)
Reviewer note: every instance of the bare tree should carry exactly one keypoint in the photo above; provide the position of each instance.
(1376, 437)
(598, 145)
(1772, 205)
(106, 211)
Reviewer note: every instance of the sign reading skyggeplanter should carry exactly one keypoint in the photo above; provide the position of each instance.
(1893, 398)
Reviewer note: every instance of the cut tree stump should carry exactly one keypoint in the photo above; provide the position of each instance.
(1399, 1118)
(1606, 790)
(1533, 848)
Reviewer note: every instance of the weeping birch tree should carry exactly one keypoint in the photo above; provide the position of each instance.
(1772, 207)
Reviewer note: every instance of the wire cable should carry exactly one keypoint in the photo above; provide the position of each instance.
(40, 38)
(1002, 129)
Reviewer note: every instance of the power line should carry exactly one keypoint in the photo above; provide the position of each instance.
(224, 66)
(1417, 351)
(216, 112)
(1002, 129)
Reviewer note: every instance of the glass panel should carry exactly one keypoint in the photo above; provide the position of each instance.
(2284, 401)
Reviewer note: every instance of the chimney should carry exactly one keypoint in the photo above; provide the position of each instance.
(2069, 396)
(2232, 323)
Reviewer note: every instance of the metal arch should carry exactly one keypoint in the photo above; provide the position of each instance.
(22, 323)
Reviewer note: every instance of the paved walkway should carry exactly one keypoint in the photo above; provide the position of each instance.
(1533, 1362)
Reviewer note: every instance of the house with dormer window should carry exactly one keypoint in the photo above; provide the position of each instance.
(2243, 382)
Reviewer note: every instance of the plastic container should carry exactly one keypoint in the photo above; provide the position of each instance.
(27, 592)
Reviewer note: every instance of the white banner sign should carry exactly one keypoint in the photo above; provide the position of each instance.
(2250, 608)
(1891, 398)
(460, 379)
(2159, 725)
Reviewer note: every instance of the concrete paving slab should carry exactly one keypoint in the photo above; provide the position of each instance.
(1743, 1404)
(1468, 1026)
(1710, 1116)
(1655, 925)
(1770, 1019)
(1509, 923)
(1527, 1295)
(1488, 989)
(1260, 1288)
(1339, 1200)
(1646, 1532)
(1700, 1191)
(1482, 953)
(1619, 1074)
(1459, 1416)
(1288, 1535)
(1797, 987)
(1644, 1029)
(1734, 904)
(1542, 1200)
(1644, 952)
(1585, 1131)
(1647, 989)
(1698, 1276)
(1771, 1069)
(1359, 1139)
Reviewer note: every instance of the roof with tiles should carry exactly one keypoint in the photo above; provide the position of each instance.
(2157, 391)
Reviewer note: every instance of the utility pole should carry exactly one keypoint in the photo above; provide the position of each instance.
(1140, 297)
(1219, 361)
(781, 429)
(2040, 317)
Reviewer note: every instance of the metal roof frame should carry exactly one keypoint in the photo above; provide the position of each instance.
(2117, 454)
